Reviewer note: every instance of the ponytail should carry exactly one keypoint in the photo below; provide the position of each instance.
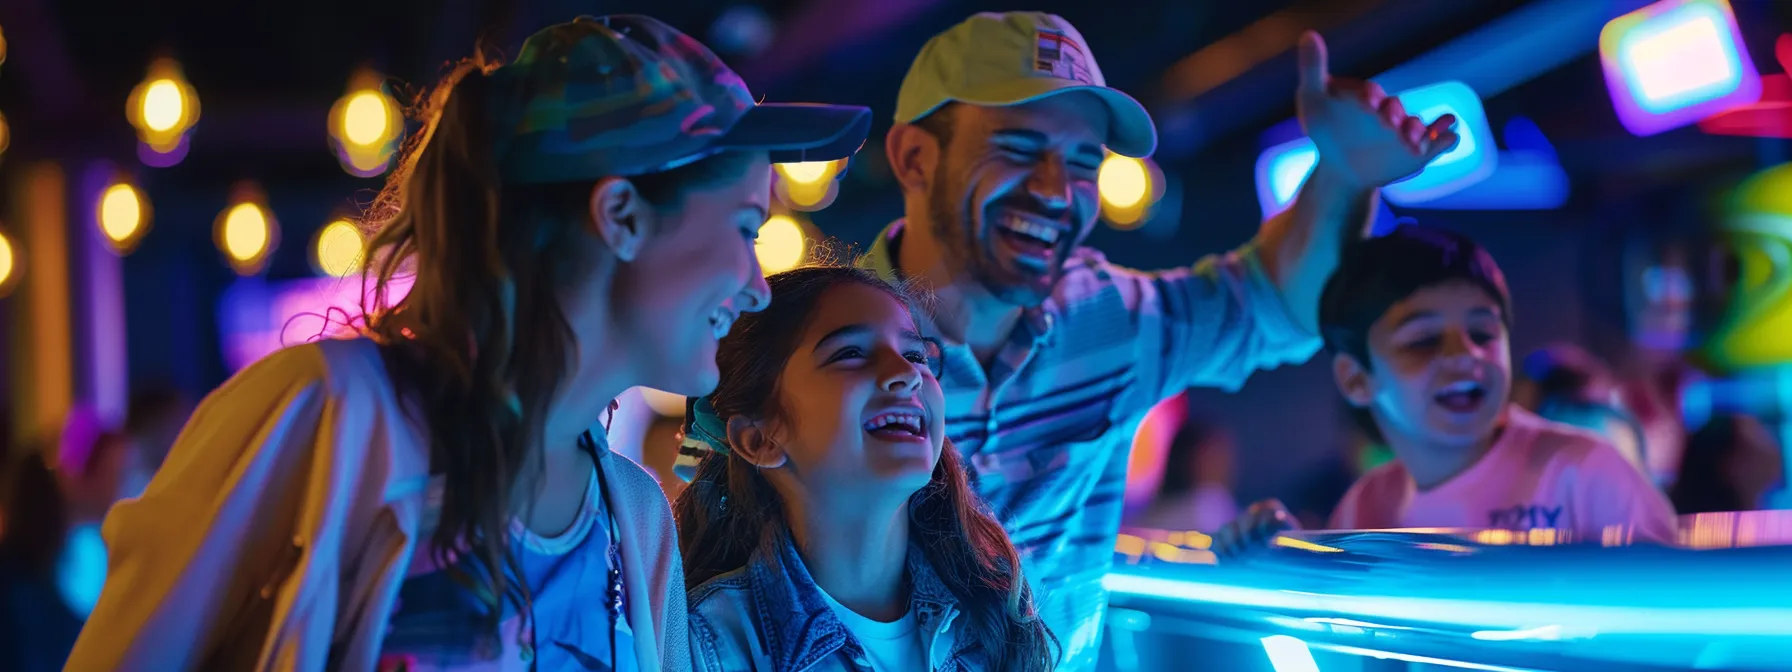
(480, 345)
(480, 340)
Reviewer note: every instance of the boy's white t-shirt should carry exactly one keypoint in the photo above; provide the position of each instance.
(1538, 475)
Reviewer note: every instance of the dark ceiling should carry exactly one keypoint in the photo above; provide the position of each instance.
(74, 61)
(266, 73)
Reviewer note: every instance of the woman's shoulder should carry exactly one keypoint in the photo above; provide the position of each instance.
(632, 484)
(335, 391)
(336, 367)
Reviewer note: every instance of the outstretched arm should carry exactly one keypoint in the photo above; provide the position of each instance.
(1365, 141)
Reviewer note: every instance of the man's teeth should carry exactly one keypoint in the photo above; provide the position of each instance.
(1031, 229)
(907, 421)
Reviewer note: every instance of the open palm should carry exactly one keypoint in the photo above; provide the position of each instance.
(1361, 132)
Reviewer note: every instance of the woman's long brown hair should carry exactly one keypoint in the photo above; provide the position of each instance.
(480, 344)
(967, 548)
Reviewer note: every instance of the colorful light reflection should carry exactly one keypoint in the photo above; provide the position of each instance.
(257, 317)
(1472, 159)
(1280, 172)
(1675, 62)
(1283, 168)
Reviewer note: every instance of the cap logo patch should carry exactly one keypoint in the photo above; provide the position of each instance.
(1059, 56)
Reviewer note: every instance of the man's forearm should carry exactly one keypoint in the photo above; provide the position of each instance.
(1299, 247)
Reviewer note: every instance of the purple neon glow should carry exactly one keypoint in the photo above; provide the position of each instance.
(100, 312)
(258, 318)
(1675, 62)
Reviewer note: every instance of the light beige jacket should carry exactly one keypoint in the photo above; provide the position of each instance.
(277, 533)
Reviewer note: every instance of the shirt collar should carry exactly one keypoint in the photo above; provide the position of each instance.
(800, 627)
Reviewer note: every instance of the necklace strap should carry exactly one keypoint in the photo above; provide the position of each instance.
(614, 597)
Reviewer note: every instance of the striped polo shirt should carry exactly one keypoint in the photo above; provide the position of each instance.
(1047, 429)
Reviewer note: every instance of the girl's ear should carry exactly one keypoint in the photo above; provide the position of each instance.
(747, 439)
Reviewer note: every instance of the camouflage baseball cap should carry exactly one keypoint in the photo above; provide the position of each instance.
(628, 95)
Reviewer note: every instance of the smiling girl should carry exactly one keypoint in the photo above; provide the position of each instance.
(830, 527)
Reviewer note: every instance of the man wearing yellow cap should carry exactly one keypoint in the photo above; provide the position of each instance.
(1053, 355)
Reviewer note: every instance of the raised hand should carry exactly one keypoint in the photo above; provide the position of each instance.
(1363, 134)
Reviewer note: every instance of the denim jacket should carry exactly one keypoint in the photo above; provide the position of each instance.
(770, 616)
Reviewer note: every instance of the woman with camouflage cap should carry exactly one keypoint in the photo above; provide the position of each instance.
(429, 495)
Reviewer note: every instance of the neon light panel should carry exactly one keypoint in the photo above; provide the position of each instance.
(1675, 62)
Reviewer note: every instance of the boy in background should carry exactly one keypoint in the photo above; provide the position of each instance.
(1417, 322)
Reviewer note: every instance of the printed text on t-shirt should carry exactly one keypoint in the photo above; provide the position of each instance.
(1524, 517)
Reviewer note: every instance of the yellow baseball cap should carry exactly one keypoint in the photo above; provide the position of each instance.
(1001, 59)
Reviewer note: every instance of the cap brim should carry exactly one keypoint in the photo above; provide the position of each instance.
(1132, 132)
(797, 132)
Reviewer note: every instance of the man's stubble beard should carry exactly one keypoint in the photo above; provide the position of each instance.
(966, 255)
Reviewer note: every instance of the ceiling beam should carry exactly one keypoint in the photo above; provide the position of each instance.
(1240, 52)
(1514, 49)
(1193, 108)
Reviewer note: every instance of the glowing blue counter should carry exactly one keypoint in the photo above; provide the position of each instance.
(1494, 600)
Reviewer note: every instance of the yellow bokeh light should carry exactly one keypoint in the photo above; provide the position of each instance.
(807, 196)
(121, 213)
(7, 265)
(1124, 219)
(1124, 181)
(366, 119)
(807, 172)
(163, 105)
(5, 133)
(781, 244)
(339, 248)
(365, 126)
(367, 162)
(245, 232)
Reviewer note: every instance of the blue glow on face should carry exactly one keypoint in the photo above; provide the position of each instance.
(1680, 58)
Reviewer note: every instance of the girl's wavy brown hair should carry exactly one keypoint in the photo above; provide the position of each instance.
(967, 548)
